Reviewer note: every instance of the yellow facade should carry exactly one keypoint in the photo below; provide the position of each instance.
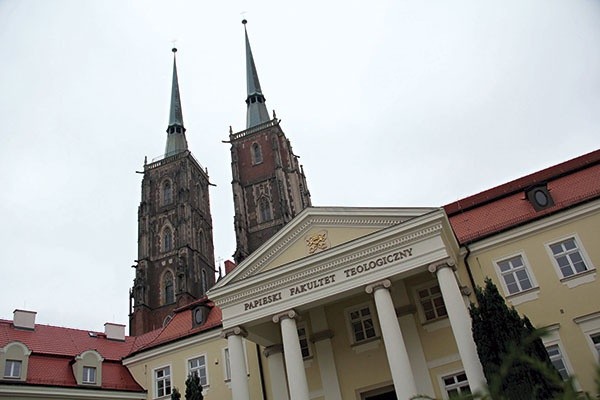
(176, 356)
(568, 307)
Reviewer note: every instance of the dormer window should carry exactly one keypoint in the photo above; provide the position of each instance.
(89, 375)
(87, 368)
(12, 369)
(14, 359)
(539, 197)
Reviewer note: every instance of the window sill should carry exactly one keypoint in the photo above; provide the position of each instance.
(523, 297)
(580, 278)
(436, 324)
(366, 345)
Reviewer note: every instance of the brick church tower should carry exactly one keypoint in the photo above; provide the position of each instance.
(175, 262)
(269, 186)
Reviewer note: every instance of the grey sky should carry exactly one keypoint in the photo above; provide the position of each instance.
(388, 103)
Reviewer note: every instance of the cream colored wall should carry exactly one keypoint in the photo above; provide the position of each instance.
(142, 371)
(556, 303)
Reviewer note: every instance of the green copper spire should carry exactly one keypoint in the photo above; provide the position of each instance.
(176, 142)
(257, 110)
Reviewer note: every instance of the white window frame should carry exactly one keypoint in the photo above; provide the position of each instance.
(577, 278)
(304, 325)
(190, 369)
(374, 321)
(155, 381)
(552, 338)
(227, 365)
(590, 326)
(9, 369)
(86, 371)
(421, 311)
(444, 388)
(523, 294)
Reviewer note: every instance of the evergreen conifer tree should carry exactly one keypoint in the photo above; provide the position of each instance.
(513, 356)
(175, 395)
(193, 388)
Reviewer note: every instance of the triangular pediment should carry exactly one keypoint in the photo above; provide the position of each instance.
(316, 230)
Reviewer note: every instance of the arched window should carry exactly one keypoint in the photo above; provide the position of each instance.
(167, 244)
(201, 242)
(167, 193)
(256, 154)
(204, 281)
(264, 206)
(169, 288)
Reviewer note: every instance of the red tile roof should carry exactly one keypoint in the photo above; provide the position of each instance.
(53, 349)
(495, 210)
(180, 326)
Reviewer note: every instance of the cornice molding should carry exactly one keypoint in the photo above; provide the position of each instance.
(306, 269)
(172, 346)
(533, 227)
(370, 221)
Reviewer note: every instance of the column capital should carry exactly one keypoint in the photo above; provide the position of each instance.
(384, 284)
(236, 330)
(436, 266)
(291, 314)
(275, 349)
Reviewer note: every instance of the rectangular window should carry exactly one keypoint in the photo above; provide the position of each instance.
(557, 360)
(596, 340)
(227, 364)
(432, 303)
(361, 324)
(304, 345)
(456, 385)
(89, 375)
(197, 366)
(515, 275)
(568, 257)
(162, 378)
(12, 369)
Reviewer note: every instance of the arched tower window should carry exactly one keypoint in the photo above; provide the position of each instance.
(167, 239)
(264, 206)
(167, 192)
(201, 242)
(256, 154)
(204, 282)
(169, 289)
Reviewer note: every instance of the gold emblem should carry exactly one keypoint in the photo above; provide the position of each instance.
(317, 242)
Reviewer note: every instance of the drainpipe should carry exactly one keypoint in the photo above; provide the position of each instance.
(469, 267)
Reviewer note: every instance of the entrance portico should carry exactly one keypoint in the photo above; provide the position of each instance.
(343, 272)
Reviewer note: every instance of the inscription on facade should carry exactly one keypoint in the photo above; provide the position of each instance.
(263, 301)
(348, 273)
(305, 287)
(378, 262)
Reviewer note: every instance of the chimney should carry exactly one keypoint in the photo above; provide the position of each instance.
(24, 319)
(114, 331)
(229, 266)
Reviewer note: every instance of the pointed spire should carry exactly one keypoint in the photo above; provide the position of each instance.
(176, 141)
(257, 110)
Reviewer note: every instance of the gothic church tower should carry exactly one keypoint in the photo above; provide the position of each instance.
(175, 262)
(269, 186)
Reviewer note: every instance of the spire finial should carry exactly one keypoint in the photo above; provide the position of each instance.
(176, 141)
(257, 110)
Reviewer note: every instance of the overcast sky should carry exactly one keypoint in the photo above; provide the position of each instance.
(388, 103)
